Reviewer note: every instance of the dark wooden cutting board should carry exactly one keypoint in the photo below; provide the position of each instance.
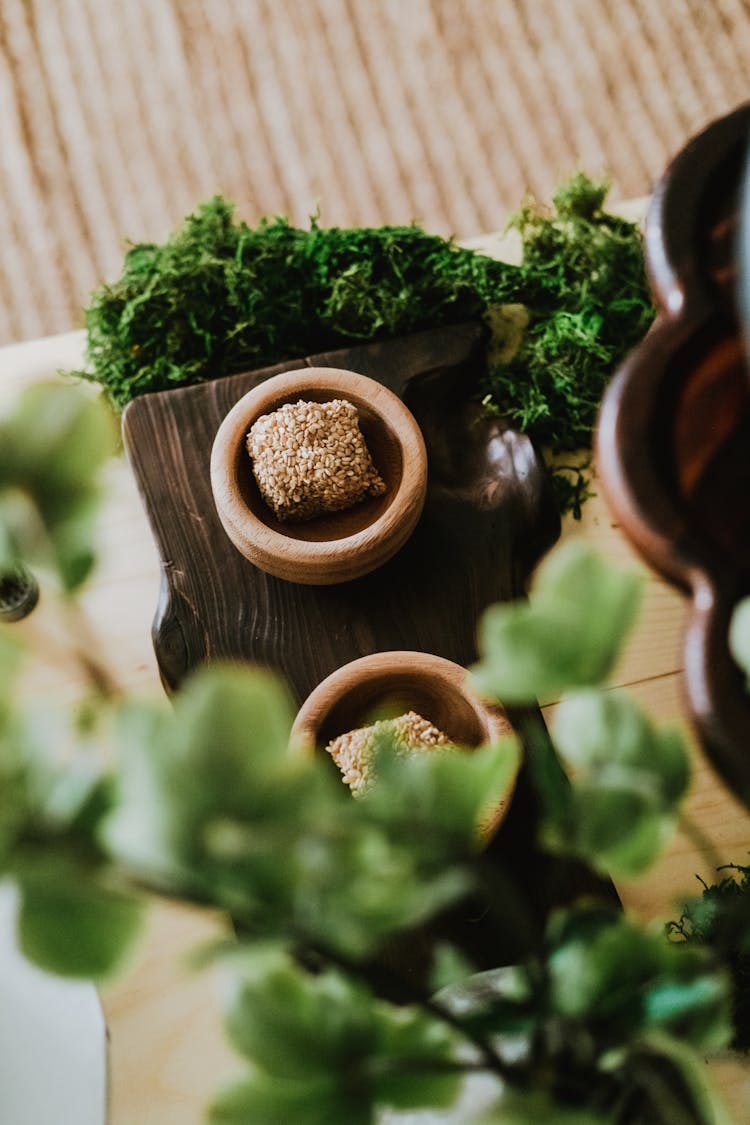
(488, 518)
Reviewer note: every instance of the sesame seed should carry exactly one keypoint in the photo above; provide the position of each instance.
(353, 751)
(299, 462)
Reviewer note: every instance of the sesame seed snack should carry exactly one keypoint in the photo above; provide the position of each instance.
(310, 458)
(353, 752)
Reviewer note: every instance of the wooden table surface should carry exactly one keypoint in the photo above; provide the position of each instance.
(167, 1052)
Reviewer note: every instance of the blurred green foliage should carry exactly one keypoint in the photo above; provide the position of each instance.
(603, 1020)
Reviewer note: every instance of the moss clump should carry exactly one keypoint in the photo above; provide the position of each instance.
(720, 920)
(220, 297)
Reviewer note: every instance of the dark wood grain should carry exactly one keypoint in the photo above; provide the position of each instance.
(674, 432)
(488, 516)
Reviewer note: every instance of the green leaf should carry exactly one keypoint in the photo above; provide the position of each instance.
(568, 635)
(696, 1008)
(53, 448)
(497, 1003)
(14, 804)
(673, 1083)
(222, 752)
(442, 800)
(597, 965)
(535, 1107)
(60, 434)
(606, 734)
(11, 658)
(412, 1049)
(290, 1024)
(624, 980)
(280, 1100)
(618, 830)
(210, 797)
(71, 926)
(353, 889)
(65, 776)
(331, 1034)
(449, 967)
(138, 829)
(628, 778)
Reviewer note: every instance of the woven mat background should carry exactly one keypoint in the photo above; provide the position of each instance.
(118, 116)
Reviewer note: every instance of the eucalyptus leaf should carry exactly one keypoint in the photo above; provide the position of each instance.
(218, 754)
(671, 1085)
(294, 1025)
(442, 799)
(210, 798)
(450, 967)
(518, 1107)
(353, 891)
(618, 830)
(330, 1033)
(71, 926)
(628, 778)
(694, 1007)
(137, 830)
(275, 1100)
(66, 778)
(416, 1062)
(495, 1002)
(14, 804)
(568, 635)
(597, 966)
(623, 980)
(595, 731)
(53, 449)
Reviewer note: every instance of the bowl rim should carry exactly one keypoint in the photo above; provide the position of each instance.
(491, 716)
(321, 699)
(243, 525)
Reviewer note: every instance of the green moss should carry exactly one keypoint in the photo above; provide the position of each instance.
(585, 287)
(720, 920)
(220, 297)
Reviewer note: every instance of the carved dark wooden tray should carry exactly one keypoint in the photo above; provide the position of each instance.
(488, 517)
(674, 433)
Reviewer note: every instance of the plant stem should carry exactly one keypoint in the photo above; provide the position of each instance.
(488, 1056)
(549, 777)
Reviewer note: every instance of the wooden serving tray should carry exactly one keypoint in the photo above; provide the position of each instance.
(488, 517)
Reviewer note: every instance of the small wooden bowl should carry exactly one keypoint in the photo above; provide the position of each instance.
(395, 682)
(339, 546)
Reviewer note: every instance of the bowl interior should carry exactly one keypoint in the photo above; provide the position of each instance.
(385, 450)
(386, 694)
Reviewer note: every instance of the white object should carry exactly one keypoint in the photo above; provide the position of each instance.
(53, 1040)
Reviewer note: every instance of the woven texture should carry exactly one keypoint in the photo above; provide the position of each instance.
(118, 116)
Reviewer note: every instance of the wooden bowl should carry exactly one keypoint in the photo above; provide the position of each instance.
(392, 683)
(339, 546)
(674, 429)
